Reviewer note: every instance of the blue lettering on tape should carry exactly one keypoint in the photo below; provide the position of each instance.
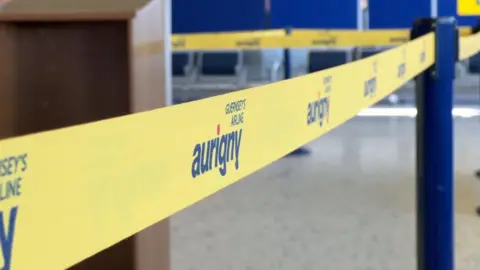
(402, 67)
(224, 148)
(318, 111)
(9, 189)
(370, 87)
(217, 153)
(7, 232)
(12, 165)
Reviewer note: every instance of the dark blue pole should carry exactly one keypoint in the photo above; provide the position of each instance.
(286, 58)
(287, 75)
(435, 235)
(476, 29)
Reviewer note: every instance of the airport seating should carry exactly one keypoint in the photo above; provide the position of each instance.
(474, 64)
(322, 59)
(183, 69)
(220, 70)
(262, 74)
(362, 53)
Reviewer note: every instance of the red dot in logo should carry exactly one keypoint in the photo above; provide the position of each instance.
(218, 129)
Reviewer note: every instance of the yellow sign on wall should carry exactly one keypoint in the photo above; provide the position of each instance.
(468, 7)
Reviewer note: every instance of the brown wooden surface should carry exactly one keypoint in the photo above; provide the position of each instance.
(73, 6)
(148, 68)
(58, 74)
(51, 17)
(8, 97)
(70, 73)
(148, 84)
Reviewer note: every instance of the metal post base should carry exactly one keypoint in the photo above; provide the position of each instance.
(300, 152)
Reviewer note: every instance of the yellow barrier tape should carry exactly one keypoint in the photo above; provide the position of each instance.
(241, 34)
(343, 38)
(235, 40)
(469, 46)
(68, 194)
(300, 38)
(392, 35)
(465, 31)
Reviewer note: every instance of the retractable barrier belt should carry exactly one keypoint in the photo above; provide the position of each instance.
(469, 46)
(299, 38)
(229, 40)
(70, 193)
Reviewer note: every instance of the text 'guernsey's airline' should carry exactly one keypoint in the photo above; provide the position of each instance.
(224, 148)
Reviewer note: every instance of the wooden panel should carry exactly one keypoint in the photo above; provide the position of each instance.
(149, 87)
(7, 78)
(148, 65)
(55, 75)
(70, 73)
(152, 247)
(119, 257)
(73, 6)
(79, 70)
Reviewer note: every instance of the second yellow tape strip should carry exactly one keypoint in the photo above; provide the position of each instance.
(299, 38)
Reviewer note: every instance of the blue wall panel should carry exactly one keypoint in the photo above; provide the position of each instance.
(400, 14)
(190, 16)
(397, 14)
(314, 13)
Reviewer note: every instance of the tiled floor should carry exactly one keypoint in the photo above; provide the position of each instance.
(348, 206)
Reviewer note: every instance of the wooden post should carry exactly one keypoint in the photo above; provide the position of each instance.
(64, 64)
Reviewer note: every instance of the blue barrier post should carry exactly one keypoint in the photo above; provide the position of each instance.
(286, 58)
(476, 29)
(287, 75)
(435, 245)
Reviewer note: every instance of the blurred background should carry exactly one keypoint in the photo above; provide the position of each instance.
(199, 74)
(350, 203)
